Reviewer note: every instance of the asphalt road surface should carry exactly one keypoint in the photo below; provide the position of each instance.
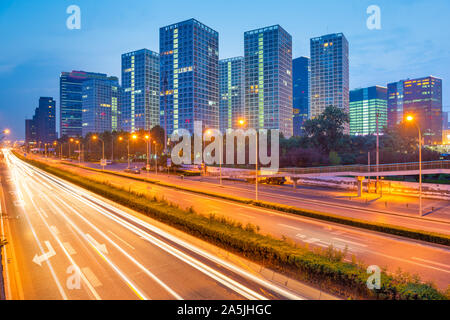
(68, 244)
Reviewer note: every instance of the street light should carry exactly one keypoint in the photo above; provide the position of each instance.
(242, 123)
(134, 137)
(156, 158)
(71, 140)
(6, 131)
(411, 119)
(103, 151)
(79, 150)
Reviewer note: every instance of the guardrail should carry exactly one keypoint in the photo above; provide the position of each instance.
(412, 166)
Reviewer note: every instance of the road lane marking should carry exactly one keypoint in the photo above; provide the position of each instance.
(312, 240)
(301, 236)
(101, 247)
(55, 236)
(351, 242)
(55, 230)
(52, 271)
(51, 253)
(93, 280)
(120, 239)
(69, 248)
(289, 227)
(431, 262)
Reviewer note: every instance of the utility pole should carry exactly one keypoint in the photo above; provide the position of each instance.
(378, 152)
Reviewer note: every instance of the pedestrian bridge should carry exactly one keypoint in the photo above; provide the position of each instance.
(385, 170)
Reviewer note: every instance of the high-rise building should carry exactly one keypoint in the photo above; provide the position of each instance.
(42, 128)
(30, 131)
(368, 105)
(140, 84)
(301, 69)
(329, 73)
(445, 123)
(100, 106)
(421, 98)
(189, 76)
(70, 86)
(231, 92)
(268, 79)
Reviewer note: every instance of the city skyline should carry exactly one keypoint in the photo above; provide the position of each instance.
(365, 45)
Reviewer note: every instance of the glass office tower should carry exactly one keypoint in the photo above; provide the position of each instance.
(70, 86)
(268, 79)
(329, 73)
(189, 76)
(140, 84)
(421, 98)
(101, 101)
(42, 127)
(300, 84)
(231, 91)
(365, 104)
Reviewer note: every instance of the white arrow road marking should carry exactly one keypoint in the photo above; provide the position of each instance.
(97, 245)
(51, 252)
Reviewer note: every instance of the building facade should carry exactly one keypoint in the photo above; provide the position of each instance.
(70, 111)
(42, 127)
(301, 69)
(231, 92)
(421, 98)
(140, 84)
(100, 105)
(268, 79)
(445, 123)
(189, 76)
(367, 106)
(329, 73)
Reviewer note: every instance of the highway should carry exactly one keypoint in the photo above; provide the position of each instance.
(65, 243)
(431, 262)
(401, 210)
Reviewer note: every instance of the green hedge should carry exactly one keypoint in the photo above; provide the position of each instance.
(363, 224)
(323, 268)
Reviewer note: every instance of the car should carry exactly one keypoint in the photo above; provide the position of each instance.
(133, 170)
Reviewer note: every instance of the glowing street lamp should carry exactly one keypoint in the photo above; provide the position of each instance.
(95, 138)
(411, 119)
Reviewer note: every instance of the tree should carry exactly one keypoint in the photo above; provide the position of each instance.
(327, 130)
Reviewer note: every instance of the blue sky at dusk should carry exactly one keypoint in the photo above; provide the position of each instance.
(37, 46)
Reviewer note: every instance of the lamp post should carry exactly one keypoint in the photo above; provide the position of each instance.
(103, 150)
(156, 158)
(70, 147)
(134, 137)
(79, 150)
(411, 119)
(378, 152)
(147, 138)
(242, 123)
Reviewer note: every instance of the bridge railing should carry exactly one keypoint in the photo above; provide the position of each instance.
(413, 166)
